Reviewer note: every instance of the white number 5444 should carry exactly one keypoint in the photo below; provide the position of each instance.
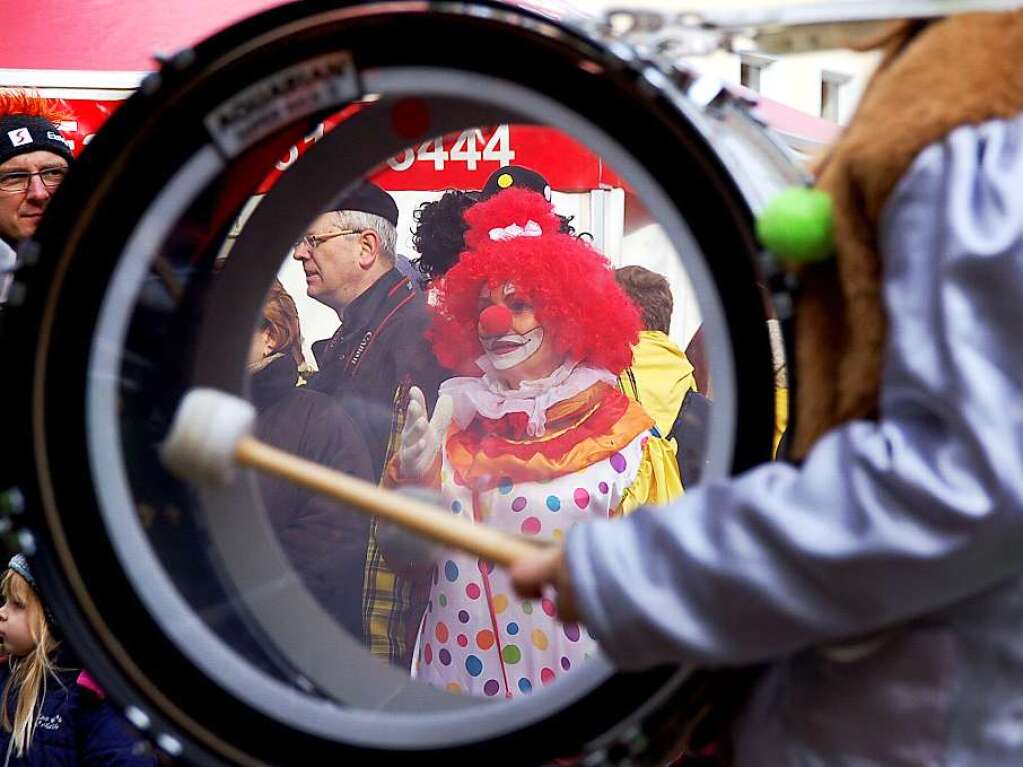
(465, 149)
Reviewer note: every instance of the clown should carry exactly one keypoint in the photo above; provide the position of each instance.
(535, 439)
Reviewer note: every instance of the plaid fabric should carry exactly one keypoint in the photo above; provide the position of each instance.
(392, 606)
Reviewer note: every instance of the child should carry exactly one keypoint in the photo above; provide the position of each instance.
(51, 714)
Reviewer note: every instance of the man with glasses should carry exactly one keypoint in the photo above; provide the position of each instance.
(34, 158)
(377, 354)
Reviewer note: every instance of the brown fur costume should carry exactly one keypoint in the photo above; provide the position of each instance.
(934, 78)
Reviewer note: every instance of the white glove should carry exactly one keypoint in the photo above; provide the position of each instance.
(421, 439)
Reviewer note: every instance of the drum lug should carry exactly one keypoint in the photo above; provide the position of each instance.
(625, 750)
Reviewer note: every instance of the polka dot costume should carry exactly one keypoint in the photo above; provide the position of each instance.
(478, 637)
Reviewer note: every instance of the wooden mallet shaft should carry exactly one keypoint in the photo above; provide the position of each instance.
(422, 518)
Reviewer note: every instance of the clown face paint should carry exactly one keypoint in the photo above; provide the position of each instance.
(514, 341)
(510, 350)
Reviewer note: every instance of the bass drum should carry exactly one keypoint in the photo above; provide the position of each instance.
(148, 277)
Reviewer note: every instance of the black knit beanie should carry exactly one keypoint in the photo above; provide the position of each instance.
(20, 134)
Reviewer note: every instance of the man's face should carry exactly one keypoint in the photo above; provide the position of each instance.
(20, 211)
(516, 344)
(334, 266)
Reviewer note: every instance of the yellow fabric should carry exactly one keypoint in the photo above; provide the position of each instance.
(662, 376)
(657, 482)
(781, 417)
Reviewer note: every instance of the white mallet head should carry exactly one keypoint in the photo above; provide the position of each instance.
(207, 427)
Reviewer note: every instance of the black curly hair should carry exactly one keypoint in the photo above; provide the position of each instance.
(440, 231)
(439, 235)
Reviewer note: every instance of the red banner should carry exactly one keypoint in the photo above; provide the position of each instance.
(461, 160)
(466, 159)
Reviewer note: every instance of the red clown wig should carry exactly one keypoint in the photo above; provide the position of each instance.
(514, 237)
(23, 101)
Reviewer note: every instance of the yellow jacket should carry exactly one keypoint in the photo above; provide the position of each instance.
(659, 378)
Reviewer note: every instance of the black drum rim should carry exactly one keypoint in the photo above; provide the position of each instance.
(55, 204)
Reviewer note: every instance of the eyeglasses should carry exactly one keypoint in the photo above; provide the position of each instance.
(19, 181)
(313, 241)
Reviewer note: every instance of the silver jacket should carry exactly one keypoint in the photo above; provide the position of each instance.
(882, 580)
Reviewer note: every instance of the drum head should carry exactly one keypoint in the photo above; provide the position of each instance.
(252, 622)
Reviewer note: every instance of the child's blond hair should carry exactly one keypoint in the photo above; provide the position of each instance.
(30, 672)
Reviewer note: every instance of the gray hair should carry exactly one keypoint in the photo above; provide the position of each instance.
(356, 219)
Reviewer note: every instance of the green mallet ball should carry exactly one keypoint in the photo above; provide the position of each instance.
(797, 225)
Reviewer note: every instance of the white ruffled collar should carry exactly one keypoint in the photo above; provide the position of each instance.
(488, 397)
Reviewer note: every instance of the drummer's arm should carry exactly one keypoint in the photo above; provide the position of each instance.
(884, 522)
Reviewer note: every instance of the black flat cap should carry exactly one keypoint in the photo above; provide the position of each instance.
(367, 197)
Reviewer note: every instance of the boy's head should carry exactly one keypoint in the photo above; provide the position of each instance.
(651, 294)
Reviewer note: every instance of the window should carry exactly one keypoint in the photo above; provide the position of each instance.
(751, 66)
(831, 94)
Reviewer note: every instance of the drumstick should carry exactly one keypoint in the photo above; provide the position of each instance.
(212, 433)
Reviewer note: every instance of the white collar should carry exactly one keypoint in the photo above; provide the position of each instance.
(488, 397)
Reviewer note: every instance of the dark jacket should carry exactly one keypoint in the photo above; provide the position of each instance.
(325, 542)
(379, 352)
(76, 726)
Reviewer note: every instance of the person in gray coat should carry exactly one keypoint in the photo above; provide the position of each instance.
(882, 579)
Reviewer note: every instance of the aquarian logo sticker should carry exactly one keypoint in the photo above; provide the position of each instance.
(275, 101)
(19, 137)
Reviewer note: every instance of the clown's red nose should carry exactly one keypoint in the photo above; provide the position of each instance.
(495, 320)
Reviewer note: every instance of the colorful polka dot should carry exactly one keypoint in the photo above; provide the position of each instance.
(472, 591)
(518, 504)
(548, 607)
(485, 639)
(527, 608)
(546, 675)
(463, 616)
(525, 685)
(512, 628)
(539, 639)
(500, 603)
(553, 503)
(454, 687)
(443, 600)
(456, 506)
(558, 535)
(444, 657)
(504, 486)
(571, 631)
(531, 526)
(441, 632)
(581, 498)
(511, 654)
(473, 665)
(463, 640)
(566, 664)
(603, 488)
(451, 571)
(428, 653)
(491, 688)
(618, 462)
